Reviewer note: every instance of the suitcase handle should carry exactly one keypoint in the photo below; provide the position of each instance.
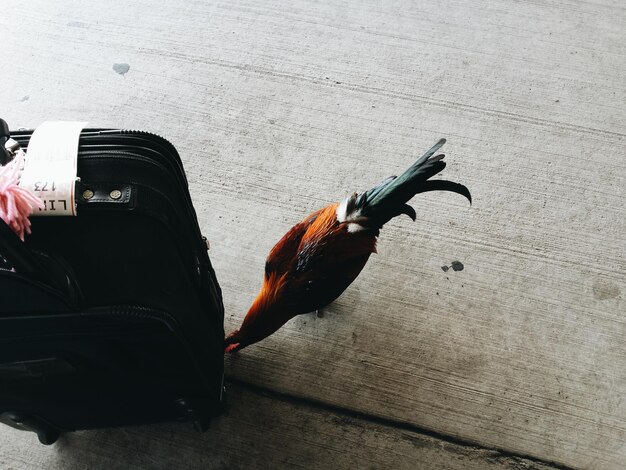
(5, 155)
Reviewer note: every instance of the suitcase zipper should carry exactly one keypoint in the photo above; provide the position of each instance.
(171, 150)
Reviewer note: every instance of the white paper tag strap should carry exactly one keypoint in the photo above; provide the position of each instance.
(50, 168)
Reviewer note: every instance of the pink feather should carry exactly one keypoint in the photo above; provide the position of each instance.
(16, 203)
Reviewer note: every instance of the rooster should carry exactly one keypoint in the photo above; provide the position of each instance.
(320, 256)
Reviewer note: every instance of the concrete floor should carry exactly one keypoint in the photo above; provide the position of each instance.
(517, 361)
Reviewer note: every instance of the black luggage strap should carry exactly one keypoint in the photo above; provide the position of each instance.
(19, 256)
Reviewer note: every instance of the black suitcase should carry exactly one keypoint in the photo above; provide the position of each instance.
(115, 316)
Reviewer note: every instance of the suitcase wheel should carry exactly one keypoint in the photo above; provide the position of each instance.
(47, 433)
(48, 437)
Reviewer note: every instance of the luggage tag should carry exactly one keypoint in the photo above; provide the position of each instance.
(50, 169)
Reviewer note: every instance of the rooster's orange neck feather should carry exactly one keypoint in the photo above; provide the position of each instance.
(325, 221)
